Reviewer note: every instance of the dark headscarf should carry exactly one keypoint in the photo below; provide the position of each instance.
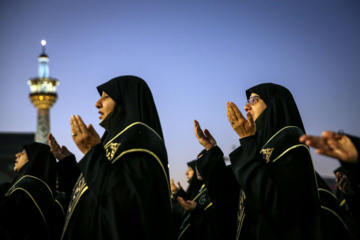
(41, 164)
(133, 103)
(281, 110)
(194, 183)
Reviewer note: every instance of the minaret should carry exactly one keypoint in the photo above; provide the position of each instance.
(43, 96)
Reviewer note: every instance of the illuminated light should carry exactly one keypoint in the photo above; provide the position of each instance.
(43, 42)
(41, 98)
(47, 97)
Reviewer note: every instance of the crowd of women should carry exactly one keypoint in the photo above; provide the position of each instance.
(121, 188)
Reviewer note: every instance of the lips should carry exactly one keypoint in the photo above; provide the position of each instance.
(101, 113)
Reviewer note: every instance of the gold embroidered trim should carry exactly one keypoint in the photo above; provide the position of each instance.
(152, 154)
(135, 123)
(30, 176)
(343, 202)
(287, 150)
(61, 207)
(267, 152)
(312, 163)
(113, 148)
(210, 204)
(327, 191)
(183, 231)
(80, 189)
(198, 195)
(336, 215)
(37, 206)
(279, 132)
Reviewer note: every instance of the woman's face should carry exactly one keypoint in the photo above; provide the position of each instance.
(21, 160)
(255, 105)
(189, 173)
(105, 105)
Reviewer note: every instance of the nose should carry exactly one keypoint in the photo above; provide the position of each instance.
(98, 103)
(247, 107)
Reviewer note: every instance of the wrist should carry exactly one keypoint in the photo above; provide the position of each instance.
(210, 146)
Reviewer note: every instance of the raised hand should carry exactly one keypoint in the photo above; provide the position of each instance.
(344, 184)
(204, 138)
(173, 187)
(59, 152)
(242, 126)
(333, 145)
(84, 137)
(187, 205)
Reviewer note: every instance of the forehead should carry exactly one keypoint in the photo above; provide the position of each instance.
(254, 94)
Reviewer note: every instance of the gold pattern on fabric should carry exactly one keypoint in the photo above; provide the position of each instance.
(157, 159)
(37, 206)
(61, 207)
(180, 235)
(111, 149)
(79, 189)
(241, 214)
(13, 188)
(338, 217)
(267, 153)
(131, 125)
(8, 193)
(208, 206)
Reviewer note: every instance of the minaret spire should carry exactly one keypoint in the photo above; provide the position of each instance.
(43, 96)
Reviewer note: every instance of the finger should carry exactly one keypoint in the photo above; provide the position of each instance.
(230, 113)
(172, 182)
(208, 134)
(54, 146)
(81, 125)
(330, 135)
(73, 126)
(179, 185)
(198, 131)
(316, 142)
(302, 138)
(342, 181)
(237, 112)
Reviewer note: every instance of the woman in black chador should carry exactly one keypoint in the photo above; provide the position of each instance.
(28, 209)
(120, 188)
(279, 197)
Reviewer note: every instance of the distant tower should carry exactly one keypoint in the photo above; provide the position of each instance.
(43, 96)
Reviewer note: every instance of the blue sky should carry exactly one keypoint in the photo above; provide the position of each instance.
(194, 55)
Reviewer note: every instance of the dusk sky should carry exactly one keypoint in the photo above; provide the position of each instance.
(195, 56)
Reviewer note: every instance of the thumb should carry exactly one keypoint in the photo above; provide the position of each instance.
(179, 185)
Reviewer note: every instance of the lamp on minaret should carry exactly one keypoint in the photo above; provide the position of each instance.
(43, 96)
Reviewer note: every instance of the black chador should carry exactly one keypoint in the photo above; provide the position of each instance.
(199, 223)
(192, 190)
(28, 209)
(279, 197)
(121, 186)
